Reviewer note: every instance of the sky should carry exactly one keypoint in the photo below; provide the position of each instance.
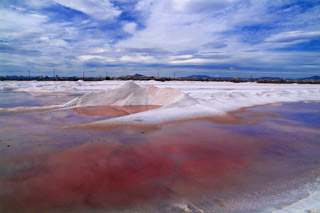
(170, 37)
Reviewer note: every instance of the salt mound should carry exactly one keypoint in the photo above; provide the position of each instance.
(132, 94)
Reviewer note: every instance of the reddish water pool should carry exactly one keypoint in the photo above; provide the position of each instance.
(253, 163)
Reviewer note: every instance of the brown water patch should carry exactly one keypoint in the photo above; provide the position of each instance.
(53, 102)
(113, 111)
(116, 126)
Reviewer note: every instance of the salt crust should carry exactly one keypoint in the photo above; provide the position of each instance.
(179, 100)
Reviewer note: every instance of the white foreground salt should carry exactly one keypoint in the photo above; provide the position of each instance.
(180, 99)
(310, 204)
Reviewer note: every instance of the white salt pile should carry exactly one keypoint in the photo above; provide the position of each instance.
(178, 105)
(179, 99)
(175, 104)
(130, 94)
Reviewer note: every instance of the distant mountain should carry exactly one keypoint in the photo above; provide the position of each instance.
(198, 76)
(208, 77)
(315, 77)
(138, 75)
(274, 78)
(224, 77)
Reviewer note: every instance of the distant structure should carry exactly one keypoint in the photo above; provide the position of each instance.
(139, 77)
(107, 78)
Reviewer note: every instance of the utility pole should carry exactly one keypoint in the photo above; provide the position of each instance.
(54, 73)
(174, 75)
(29, 74)
(158, 74)
(106, 74)
(251, 77)
(83, 75)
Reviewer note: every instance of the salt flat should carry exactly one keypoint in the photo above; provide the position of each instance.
(184, 99)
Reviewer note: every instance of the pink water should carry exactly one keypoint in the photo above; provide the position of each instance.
(201, 164)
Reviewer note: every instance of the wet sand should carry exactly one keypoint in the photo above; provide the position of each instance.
(248, 160)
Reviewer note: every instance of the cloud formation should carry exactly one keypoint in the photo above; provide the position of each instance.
(99, 9)
(149, 36)
(292, 36)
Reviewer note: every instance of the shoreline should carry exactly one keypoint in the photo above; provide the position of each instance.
(229, 117)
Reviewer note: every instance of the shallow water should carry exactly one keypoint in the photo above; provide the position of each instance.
(247, 166)
(14, 99)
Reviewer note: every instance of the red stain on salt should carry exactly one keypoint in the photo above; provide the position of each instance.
(113, 111)
(116, 175)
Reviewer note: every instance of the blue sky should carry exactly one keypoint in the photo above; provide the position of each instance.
(212, 37)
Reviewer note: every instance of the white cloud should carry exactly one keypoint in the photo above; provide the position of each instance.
(200, 6)
(130, 27)
(198, 61)
(92, 57)
(292, 36)
(143, 59)
(16, 24)
(98, 50)
(253, 13)
(89, 57)
(312, 66)
(173, 30)
(99, 9)
(181, 57)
